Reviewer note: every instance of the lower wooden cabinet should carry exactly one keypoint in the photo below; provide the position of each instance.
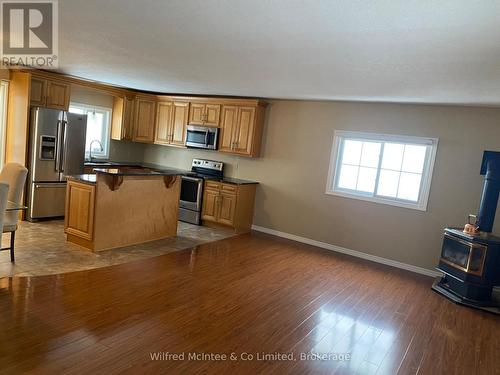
(79, 212)
(229, 204)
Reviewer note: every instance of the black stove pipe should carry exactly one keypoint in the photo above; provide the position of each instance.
(491, 190)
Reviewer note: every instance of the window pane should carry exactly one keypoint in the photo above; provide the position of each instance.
(409, 186)
(348, 177)
(414, 158)
(370, 154)
(366, 179)
(78, 111)
(388, 183)
(393, 156)
(352, 152)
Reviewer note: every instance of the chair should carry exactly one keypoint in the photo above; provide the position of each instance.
(4, 191)
(14, 175)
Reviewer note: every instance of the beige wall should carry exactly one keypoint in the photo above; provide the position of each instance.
(293, 170)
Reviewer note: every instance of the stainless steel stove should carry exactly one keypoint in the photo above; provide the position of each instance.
(190, 203)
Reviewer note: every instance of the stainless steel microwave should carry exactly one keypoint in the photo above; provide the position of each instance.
(201, 137)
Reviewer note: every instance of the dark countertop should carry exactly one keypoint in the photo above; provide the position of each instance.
(136, 171)
(231, 180)
(87, 178)
(158, 168)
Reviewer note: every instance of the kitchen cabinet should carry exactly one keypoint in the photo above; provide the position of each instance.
(49, 93)
(210, 201)
(38, 92)
(171, 121)
(206, 114)
(241, 130)
(144, 119)
(229, 204)
(79, 215)
(122, 122)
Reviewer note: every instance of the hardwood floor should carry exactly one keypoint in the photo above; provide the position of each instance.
(252, 294)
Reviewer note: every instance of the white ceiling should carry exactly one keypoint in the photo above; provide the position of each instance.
(445, 51)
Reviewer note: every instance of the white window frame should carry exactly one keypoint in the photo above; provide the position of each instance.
(425, 183)
(106, 136)
(4, 93)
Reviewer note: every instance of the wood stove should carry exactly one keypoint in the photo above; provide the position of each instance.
(470, 262)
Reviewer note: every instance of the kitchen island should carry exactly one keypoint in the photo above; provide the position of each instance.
(121, 206)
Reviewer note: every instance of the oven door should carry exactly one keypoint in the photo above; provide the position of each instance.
(201, 137)
(191, 190)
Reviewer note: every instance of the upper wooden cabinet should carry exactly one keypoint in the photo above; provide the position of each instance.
(207, 114)
(144, 119)
(38, 92)
(49, 93)
(241, 130)
(171, 121)
(122, 118)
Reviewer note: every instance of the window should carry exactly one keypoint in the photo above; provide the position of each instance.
(98, 128)
(395, 170)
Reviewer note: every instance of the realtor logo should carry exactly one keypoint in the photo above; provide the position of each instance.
(29, 33)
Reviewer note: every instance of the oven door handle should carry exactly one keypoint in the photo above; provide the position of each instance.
(196, 179)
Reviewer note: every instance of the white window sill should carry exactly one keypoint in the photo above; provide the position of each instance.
(379, 200)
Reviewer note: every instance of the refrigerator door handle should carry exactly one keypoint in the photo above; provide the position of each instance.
(59, 146)
(63, 142)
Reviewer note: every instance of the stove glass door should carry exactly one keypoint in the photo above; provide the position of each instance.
(466, 256)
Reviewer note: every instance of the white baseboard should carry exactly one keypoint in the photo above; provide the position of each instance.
(343, 250)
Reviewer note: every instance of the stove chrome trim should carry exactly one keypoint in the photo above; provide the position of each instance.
(472, 246)
(195, 206)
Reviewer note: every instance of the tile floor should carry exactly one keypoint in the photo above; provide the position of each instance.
(41, 249)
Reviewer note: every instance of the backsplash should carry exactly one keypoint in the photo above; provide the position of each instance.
(182, 158)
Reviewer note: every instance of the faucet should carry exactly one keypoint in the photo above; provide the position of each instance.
(90, 147)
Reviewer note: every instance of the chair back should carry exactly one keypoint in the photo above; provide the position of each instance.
(4, 191)
(14, 175)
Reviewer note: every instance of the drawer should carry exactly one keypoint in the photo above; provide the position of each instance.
(212, 185)
(230, 188)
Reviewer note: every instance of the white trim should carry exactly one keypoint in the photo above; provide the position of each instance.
(425, 183)
(354, 253)
(4, 93)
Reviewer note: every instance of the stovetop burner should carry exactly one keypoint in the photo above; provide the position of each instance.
(201, 168)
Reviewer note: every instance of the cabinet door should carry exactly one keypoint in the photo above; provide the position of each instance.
(210, 205)
(212, 115)
(79, 217)
(122, 118)
(244, 136)
(38, 92)
(144, 123)
(179, 122)
(228, 126)
(163, 123)
(227, 208)
(58, 94)
(128, 119)
(197, 114)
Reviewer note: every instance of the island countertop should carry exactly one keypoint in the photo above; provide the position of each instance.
(137, 171)
(86, 178)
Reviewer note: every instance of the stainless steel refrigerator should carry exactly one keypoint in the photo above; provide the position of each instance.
(57, 149)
